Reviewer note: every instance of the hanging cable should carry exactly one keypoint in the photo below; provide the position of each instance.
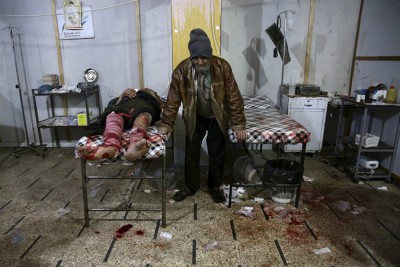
(48, 15)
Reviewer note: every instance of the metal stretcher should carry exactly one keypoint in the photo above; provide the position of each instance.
(157, 149)
(266, 125)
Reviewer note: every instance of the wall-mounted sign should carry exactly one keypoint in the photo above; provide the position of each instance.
(72, 15)
(86, 30)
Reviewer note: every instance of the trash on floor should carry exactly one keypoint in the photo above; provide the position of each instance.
(166, 235)
(127, 163)
(135, 173)
(321, 250)
(237, 193)
(259, 200)
(307, 179)
(382, 188)
(63, 211)
(121, 231)
(97, 164)
(212, 245)
(343, 205)
(247, 211)
(357, 210)
(283, 212)
(311, 197)
(95, 189)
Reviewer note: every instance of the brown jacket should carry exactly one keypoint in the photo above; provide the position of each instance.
(226, 100)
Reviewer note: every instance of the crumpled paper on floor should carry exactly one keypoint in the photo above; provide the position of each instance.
(63, 211)
(343, 205)
(212, 245)
(307, 179)
(321, 250)
(247, 212)
(237, 193)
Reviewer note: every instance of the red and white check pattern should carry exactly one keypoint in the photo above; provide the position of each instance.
(156, 143)
(258, 101)
(265, 124)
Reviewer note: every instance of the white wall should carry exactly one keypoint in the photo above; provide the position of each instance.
(113, 51)
(246, 45)
(156, 44)
(39, 55)
(249, 49)
(333, 44)
(380, 36)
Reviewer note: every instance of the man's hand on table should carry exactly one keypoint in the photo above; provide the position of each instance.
(241, 135)
(162, 130)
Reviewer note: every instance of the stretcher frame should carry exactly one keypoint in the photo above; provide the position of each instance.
(160, 146)
(261, 108)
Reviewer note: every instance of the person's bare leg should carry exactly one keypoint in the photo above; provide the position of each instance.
(112, 140)
(138, 137)
(96, 152)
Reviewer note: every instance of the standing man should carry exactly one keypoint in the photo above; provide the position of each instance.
(212, 102)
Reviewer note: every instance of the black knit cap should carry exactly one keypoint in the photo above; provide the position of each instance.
(199, 44)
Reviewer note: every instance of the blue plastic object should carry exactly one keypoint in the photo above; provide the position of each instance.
(45, 87)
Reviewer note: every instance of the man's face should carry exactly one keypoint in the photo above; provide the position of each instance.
(201, 64)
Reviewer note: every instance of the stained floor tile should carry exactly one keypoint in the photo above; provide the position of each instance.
(42, 220)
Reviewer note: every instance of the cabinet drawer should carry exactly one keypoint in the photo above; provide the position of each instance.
(307, 103)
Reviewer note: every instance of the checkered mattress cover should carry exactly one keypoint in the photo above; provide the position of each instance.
(265, 124)
(155, 141)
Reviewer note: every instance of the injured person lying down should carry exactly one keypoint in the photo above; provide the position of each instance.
(134, 110)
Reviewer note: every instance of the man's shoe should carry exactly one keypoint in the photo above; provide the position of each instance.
(217, 195)
(183, 194)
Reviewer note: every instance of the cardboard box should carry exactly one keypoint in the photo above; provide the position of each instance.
(82, 121)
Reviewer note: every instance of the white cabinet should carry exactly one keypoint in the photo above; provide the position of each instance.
(310, 112)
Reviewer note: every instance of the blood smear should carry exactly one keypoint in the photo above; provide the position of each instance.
(121, 231)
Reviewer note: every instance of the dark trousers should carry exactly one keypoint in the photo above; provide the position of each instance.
(216, 153)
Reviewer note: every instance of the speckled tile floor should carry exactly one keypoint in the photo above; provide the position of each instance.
(338, 222)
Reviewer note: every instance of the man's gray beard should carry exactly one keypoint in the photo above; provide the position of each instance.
(203, 69)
